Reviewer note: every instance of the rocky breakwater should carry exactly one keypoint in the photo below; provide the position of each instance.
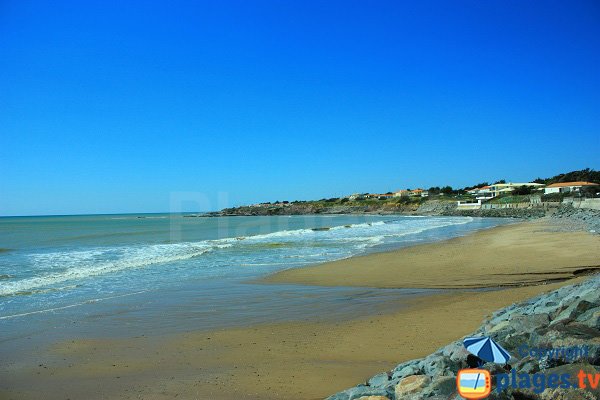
(449, 208)
(525, 213)
(578, 218)
(534, 332)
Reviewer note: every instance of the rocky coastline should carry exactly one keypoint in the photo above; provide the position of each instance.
(564, 318)
(428, 208)
(310, 208)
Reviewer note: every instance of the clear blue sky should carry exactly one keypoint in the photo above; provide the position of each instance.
(113, 107)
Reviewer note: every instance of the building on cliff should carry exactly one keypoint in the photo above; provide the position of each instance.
(567, 187)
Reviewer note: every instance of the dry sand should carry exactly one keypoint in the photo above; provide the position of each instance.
(513, 255)
(309, 360)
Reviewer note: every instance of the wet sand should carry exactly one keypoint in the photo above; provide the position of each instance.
(300, 360)
(513, 255)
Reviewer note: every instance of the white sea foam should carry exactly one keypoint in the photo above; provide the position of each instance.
(79, 265)
(341, 241)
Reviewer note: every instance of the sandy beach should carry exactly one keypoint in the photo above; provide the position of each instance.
(514, 255)
(299, 200)
(310, 360)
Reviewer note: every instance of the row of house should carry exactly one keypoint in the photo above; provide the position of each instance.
(399, 193)
(567, 187)
(412, 193)
(485, 193)
(491, 191)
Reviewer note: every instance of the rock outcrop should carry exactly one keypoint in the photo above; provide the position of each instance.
(588, 218)
(585, 218)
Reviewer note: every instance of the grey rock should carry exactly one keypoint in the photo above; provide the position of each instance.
(527, 365)
(574, 310)
(546, 307)
(456, 352)
(379, 380)
(406, 370)
(437, 364)
(563, 318)
(501, 328)
(590, 318)
(444, 385)
(531, 322)
(513, 341)
(567, 394)
(359, 391)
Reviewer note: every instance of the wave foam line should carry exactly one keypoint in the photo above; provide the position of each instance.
(72, 305)
(143, 257)
(12, 288)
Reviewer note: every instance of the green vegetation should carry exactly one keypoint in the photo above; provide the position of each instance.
(447, 190)
(558, 197)
(523, 190)
(476, 186)
(586, 175)
(391, 202)
(509, 198)
(447, 193)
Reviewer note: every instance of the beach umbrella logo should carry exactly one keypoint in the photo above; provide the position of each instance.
(487, 349)
(473, 383)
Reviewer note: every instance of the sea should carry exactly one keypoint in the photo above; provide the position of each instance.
(123, 275)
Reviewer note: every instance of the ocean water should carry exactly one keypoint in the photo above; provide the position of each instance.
(126, 274)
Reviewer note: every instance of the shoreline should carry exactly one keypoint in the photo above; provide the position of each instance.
(398, 205)
(489, 258)
(266, 361)
(278, 360)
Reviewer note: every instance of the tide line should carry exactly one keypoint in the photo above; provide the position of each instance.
(72, 305)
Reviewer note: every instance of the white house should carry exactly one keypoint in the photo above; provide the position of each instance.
(491, 191)
(468, 205)
(567, 187)
(402, 193)
(418, 193)
(482, 193)
(355, 196)
(502, 188)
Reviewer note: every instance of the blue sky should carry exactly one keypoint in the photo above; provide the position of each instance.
(149, 106)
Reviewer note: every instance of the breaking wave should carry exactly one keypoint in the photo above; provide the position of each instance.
(341, 241)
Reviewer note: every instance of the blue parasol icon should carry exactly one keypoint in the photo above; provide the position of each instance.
(485, 348)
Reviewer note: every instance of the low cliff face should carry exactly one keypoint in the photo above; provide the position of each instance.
(566, 318)
(437, 207)
(411, 207)
(310, 208)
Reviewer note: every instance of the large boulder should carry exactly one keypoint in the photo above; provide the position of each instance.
(411, 385)
(379, 380)
(574, 310)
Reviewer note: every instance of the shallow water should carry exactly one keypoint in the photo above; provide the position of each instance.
(160, 273)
